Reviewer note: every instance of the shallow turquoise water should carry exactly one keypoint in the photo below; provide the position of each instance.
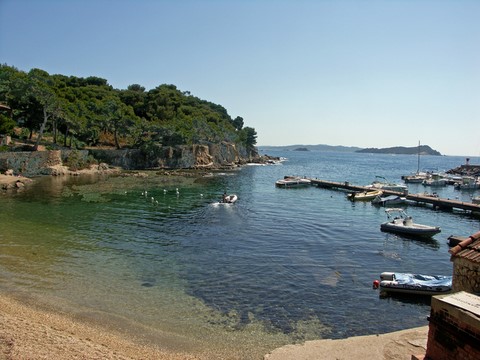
(279, 266)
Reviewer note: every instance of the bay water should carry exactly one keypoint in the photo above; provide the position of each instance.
(162, 260)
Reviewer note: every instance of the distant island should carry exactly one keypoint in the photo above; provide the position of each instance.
(415, 150)
(320, 147)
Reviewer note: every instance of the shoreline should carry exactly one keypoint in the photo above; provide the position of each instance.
(27, 331)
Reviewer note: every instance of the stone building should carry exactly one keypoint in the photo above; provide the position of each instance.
(466, 265)
(454, 321)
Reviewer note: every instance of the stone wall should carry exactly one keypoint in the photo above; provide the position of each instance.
(466, 275)
(34, 163)
(454, 328)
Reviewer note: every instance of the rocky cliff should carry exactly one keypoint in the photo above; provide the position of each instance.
(155, 157)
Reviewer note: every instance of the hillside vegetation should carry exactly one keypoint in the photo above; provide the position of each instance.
(78, 112)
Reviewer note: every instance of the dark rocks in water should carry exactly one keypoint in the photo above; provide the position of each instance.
(301, 149)
(465, 170)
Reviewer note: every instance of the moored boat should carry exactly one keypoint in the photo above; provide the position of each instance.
(292, 181)
(401, 223)
(415, 284)
(364, 195)
(389, 200)
(384, 185)
(467, 183)
(435, 180)
(415, 178)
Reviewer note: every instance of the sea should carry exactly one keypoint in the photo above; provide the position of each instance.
(164, 262)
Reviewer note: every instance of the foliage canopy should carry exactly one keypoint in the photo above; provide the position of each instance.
(88, 111)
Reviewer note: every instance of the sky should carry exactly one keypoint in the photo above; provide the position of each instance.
(365, 73)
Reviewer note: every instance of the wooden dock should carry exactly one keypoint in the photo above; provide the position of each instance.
(437, 203)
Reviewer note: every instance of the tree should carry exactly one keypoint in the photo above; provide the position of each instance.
(248, 137)
(119, 117)
(42, 92)
(238, 123)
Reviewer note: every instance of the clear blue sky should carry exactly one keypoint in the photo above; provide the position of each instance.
(355, 73)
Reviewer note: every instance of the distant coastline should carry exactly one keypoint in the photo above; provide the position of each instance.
(414, 150)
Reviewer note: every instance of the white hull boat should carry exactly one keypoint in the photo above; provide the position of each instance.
(384, 185)
(364, 195)
(292, 181)
(389, 200)
(227, 200)
(415, 284)
(230, 199)
(400, 223)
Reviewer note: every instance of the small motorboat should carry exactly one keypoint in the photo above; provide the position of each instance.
(364, 195)
(415, 284)
(435, 180)
(389, 200)
(230, 199)
(292, 181)
(384, 185)
(401, 223)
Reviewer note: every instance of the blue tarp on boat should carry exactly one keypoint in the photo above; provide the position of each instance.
(423, 280)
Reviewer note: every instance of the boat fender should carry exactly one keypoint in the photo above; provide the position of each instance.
(376, 284)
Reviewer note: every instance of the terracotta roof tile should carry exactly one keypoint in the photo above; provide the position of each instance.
(468, 249)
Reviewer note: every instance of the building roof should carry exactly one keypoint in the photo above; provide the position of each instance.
(468, 249)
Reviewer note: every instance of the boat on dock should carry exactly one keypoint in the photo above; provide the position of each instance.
(467, 183)
(435, 180)
(401, 223)
(385, 185)
(367, 195)
(414, 178)
(389, 200)
(292, 181)
(415, 284)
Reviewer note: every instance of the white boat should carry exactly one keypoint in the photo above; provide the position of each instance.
(364, 195)
(467, 183)
(418, 177)
(230, 199)
(416, 284)
(435, 180)
(389, 200)
(415, 178)
(292, 181)
(384, 185)
(399, 222)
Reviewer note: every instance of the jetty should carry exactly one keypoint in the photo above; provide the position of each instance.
(420, 199)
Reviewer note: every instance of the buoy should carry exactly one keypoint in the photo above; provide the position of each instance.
(376, 283)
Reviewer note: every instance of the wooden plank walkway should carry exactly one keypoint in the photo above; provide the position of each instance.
(437, 203)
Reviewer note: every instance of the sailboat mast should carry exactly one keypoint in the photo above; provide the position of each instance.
(418, 159)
